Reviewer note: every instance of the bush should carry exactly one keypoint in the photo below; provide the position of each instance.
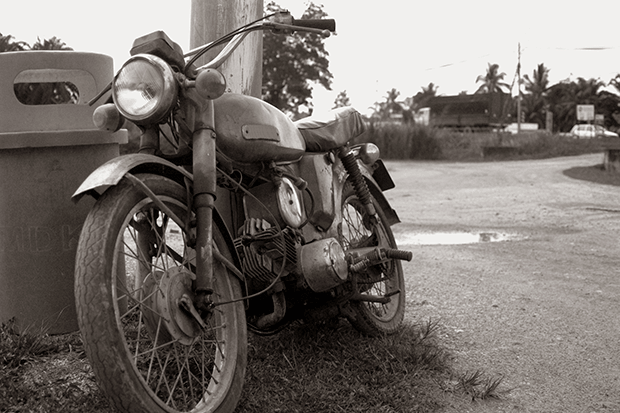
(419, 142)
(403, 141)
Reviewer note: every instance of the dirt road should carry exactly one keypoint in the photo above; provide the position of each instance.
(541, 310)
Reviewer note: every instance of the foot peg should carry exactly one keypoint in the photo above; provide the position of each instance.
(378, 256)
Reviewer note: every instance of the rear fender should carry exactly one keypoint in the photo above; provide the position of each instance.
(378, 180)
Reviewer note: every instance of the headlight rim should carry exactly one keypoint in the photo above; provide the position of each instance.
(167, 98)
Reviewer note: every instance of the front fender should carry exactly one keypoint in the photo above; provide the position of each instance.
(111, 172)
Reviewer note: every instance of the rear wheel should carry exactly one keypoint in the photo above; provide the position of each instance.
(358, 231)
(134, 272)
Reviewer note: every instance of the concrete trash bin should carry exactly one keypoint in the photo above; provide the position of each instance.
(46, 151)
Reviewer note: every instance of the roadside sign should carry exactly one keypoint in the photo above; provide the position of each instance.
(599, 119)
(585, 112)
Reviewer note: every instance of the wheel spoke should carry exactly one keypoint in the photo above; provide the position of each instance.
(360, 231)
(148, 269)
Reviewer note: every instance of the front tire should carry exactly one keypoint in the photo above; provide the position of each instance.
(386, 279)
(133, 266)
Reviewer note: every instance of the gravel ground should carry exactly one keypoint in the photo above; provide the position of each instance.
(539, 309)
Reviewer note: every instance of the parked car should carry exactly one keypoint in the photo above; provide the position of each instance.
(525, 128)
(585, 131)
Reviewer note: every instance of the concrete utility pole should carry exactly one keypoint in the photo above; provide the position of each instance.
(211, 19)
(519, 91)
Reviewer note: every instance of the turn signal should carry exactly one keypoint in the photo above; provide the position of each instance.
(210, 84)
(107, 117)
(369, 153)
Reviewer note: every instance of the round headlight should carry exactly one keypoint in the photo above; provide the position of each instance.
(145, 89)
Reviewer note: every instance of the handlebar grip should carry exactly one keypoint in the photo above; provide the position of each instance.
(321, 24)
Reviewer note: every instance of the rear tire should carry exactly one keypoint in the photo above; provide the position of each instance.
(132, 267)
(373, 318)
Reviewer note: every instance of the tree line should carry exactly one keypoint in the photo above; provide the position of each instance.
(293, 64)
(538, 98)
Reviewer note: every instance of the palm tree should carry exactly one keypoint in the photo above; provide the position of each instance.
(492, 80)
(587, 90)
(50, 44)
(8, 45)
(534, 101)
(390, 106)
(539, 82)
(564, 97)
(423, 98)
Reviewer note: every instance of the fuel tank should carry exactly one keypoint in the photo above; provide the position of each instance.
(251, 130)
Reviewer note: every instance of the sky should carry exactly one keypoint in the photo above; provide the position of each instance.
(380, 45)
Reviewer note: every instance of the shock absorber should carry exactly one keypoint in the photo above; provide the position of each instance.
(359, 183)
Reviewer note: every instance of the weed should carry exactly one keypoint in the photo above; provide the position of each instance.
(477, 386)
(17, 347)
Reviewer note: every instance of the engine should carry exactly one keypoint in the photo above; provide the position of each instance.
(266, 252)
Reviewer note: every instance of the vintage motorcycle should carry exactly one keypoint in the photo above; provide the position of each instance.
(230, 217)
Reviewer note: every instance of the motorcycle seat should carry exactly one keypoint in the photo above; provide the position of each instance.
(331, 130)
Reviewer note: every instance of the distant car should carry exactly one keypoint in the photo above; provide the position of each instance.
(524, 127)
(591, 131)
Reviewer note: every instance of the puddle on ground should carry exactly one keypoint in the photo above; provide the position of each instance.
(453, 238)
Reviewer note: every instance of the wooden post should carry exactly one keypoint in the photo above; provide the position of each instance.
(211, 19)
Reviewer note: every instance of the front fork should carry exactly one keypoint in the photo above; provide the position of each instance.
(204, 171)
(203, 202)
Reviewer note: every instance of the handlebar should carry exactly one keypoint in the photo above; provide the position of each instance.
(279, 21)
(321, 24)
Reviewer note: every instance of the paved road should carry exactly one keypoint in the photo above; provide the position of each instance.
(541, 310)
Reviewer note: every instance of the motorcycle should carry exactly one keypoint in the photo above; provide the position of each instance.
(230, 218)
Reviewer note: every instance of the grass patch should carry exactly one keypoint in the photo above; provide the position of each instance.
(403, 141)
(41, 373)
(17, 347)
(418, 142)
(331, 368)
(594, 173)
(327, 367)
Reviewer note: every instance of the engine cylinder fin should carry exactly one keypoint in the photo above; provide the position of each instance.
(262, 249)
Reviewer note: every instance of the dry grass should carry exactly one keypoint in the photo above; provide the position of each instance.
(43, 373)
(305, 368)
(402, 141)
(332, 368)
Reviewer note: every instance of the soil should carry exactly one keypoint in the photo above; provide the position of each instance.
(539, 310)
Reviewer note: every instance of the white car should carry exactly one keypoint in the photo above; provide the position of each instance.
(591, 131)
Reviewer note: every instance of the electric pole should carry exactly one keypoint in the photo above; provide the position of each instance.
(211, 19)
(519, 90)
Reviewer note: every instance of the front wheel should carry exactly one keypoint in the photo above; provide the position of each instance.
(134, 269)
(359, 231)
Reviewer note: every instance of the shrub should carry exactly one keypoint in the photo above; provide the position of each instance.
(419, 142)
(403, 141)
